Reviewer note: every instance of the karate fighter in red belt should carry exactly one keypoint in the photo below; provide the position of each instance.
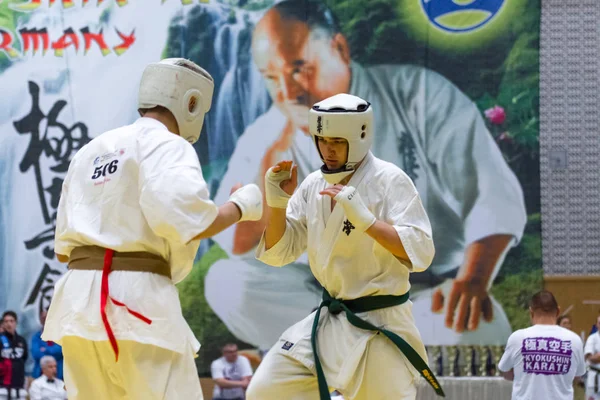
(133, 209)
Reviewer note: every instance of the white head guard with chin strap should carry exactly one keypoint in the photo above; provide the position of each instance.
(183, 88)
(343, 116)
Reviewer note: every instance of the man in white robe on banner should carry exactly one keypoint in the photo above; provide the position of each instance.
(362, 223)
(133, 209)
(427, 127)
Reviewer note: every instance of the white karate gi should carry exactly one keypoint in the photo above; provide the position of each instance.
(429, 128)
(349, 264)
(152, 199)
(592, 346)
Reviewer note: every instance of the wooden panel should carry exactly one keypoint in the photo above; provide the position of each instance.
(582, 294)
(207, 387)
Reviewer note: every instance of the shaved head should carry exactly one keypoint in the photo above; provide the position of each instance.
(302, 57)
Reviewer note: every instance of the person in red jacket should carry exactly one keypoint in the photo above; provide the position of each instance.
(13, 355)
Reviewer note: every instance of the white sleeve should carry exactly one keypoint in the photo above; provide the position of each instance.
(480, 185)
(513, 346)
(173, 194)
(246, 368)
(581, 367)
(35, 391)
(408, 216)
(589, 345)
(60, 246)
(216, 371)
(294, 241)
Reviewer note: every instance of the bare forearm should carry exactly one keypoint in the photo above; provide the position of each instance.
(227, 384)
(247, 234)
(593, 358)
(509, 375)
(228, 215)
(387, 236)
(276, 226)
(481, 258)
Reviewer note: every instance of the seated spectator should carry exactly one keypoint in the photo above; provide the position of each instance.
(231, 374)
(48, 386)
(544, 359)
(39, 348)
(13, 355)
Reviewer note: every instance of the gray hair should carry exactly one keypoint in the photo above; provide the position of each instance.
(46, 360)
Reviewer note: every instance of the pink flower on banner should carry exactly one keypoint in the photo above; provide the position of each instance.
(496, 115)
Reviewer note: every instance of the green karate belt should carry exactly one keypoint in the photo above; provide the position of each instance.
(364, 304)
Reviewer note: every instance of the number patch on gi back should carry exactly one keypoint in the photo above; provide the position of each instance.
(106, 169)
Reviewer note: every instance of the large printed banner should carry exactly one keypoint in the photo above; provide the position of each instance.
(454, 86)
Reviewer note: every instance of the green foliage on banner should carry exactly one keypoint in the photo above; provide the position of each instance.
(207, 327)
(514, 294)
(6, 16)
(518, 95)
(9, 19)
(250, 5)
(7, 22)
(376, 35)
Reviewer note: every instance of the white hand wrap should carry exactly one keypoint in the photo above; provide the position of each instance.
(358, 214)
(249, 199)
(276, 196)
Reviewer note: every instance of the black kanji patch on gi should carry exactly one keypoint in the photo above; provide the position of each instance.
(347, 227)
(287, 345)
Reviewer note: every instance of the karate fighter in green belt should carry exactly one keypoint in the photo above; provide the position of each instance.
(363, 225)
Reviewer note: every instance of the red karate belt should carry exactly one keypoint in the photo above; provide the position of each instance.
(105, 295)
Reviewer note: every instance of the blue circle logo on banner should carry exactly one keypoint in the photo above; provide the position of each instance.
(461, 15)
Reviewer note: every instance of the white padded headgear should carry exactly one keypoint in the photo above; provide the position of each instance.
(343, 116)
(186, 93)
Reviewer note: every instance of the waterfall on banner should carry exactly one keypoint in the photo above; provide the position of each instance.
(224, 50)
(242, 96)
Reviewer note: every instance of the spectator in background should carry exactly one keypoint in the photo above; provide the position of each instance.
(48, 386)
(592, 356)
(13, 355)
(40, 348)
(544, 359)
(231, 374)
(594, 328)
(565, 322)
